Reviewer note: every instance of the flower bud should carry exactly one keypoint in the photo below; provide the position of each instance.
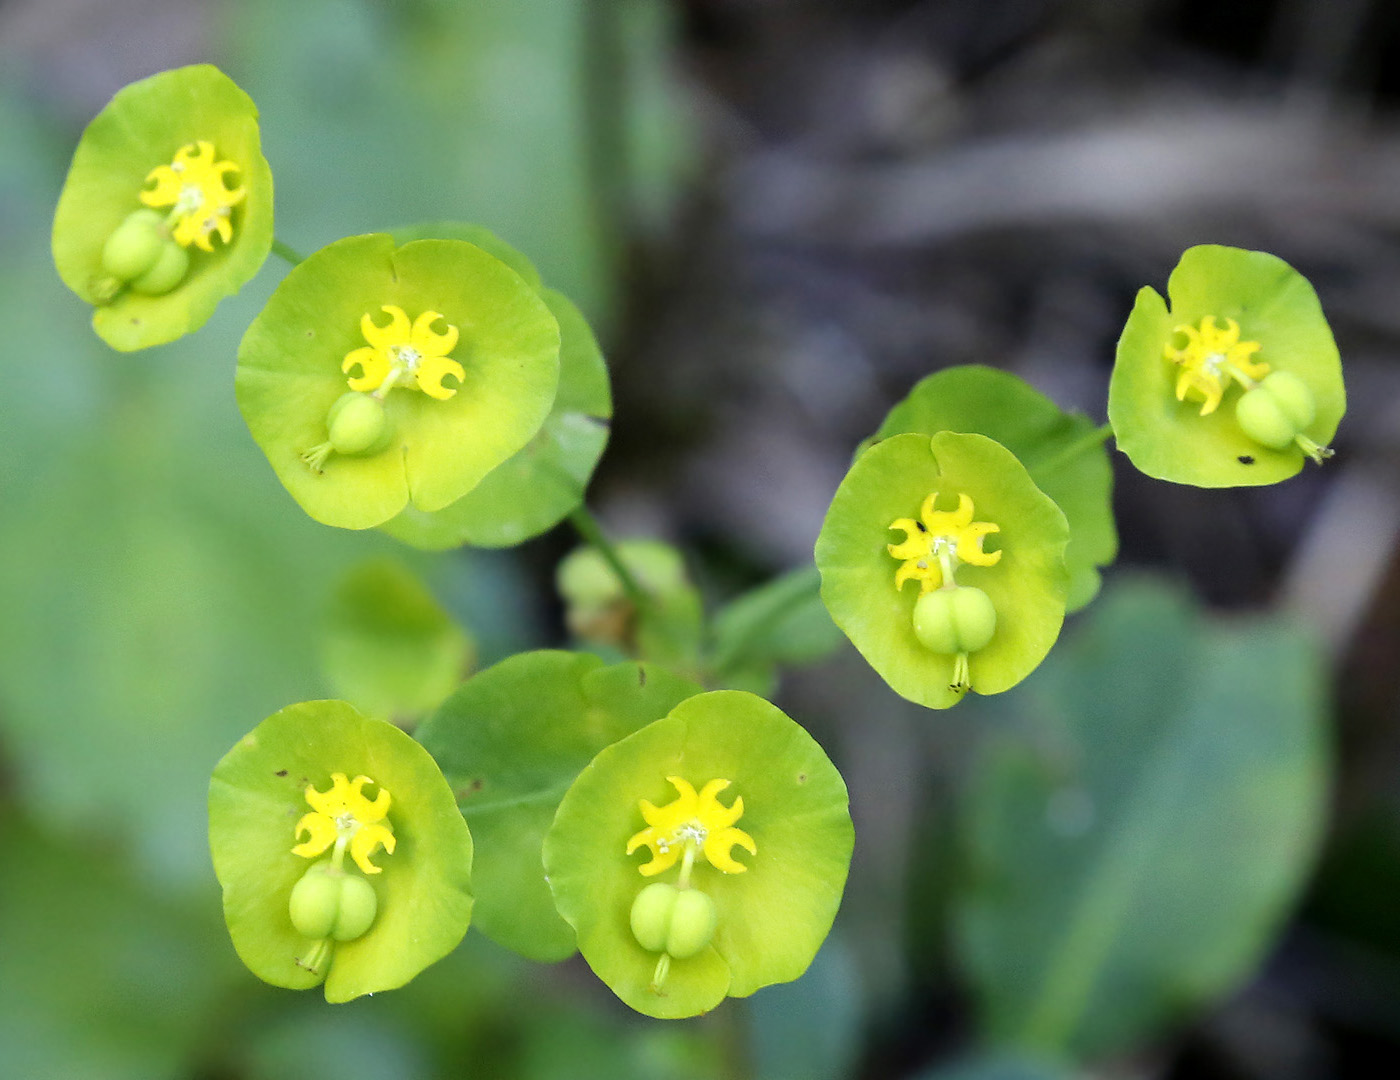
(957, 620)
(134, 245)
(358, 424)
(169, 269)
(358, 907)
(678, 922)
(315, 902)
(327, 902)
(693, 919)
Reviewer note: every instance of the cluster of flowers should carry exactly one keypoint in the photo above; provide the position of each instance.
(428, 383)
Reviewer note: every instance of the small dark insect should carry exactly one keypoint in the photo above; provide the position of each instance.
(922, 526)
(641, 675)
(1245, 459)
(280, 772)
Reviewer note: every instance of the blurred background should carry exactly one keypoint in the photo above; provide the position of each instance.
(1173, 852)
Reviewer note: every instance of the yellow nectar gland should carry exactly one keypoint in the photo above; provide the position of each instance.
(344, 817)
(193, 187)
(1213, 355)
(941, 539)
(404, 354)
(693, 823)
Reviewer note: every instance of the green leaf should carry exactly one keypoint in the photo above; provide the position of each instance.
(389, 647)
(289, 374)
(256, 798)
(772, 917)
(996, 1068)
(1058, 449)
(1133, 857)
(1027, 586)
(540, 485)
(783, 621)
(140, 129)
(510, 742)
(1274, 306)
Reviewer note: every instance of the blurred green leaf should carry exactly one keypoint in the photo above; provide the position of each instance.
(388, 646)
(510, 743)
(1132, 855)
(810, 1029)
(103, 978)
(996, 1068)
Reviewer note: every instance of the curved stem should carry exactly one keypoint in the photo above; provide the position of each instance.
(586, 525)
(282, 251)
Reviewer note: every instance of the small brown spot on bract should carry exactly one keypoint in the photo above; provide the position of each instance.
(641, 675)
(802, 778)
(1245, 459)
(280, 772)
(311, 333)
(471, 789)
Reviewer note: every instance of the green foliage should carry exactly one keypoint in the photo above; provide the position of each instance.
(772, 916)
(510, 742)
(257, 796)
(1060, 451)
(140, 129)
(388, 646)
(781, 622)
(1130, 855)
(1274, 306)
(290, 374)
(1027, 585)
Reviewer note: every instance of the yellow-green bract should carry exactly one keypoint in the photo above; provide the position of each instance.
(292, 367)
(1274, 308)
(533, 490)
(1027, 583)
(143, 128)
(257, 797)
(771, 917)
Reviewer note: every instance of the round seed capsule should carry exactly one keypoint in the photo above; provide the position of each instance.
(315, 902)
(651, 915)
(358, 424)
(693, 919)
(358, 907)
(957, 620)
(1275, 412)
(1293, 397)
(134, 245)
(169, 269)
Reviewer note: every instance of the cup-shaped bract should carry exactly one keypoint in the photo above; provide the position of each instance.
(1062, 452)
(1235, 317)
(536, 488)
(261, 793)
(868, 591)
(785, 809)
(461, 352)
(510, 742)
(148, 136)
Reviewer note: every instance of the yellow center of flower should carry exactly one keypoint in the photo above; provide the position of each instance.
(693, 823)
(405, 354)
(344, 817)
(193, 186)
(934, 545)
(1212, 357)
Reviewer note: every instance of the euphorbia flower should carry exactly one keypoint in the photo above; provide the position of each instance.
(980, 619)
(172, 163)
(344, 817)
(356, 414)
(299, 912)
(1237, 384)
(672, 947)
(693, 824)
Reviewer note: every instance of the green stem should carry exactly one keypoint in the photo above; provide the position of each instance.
(586, 525)
(282, 251)
(1086, 442)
